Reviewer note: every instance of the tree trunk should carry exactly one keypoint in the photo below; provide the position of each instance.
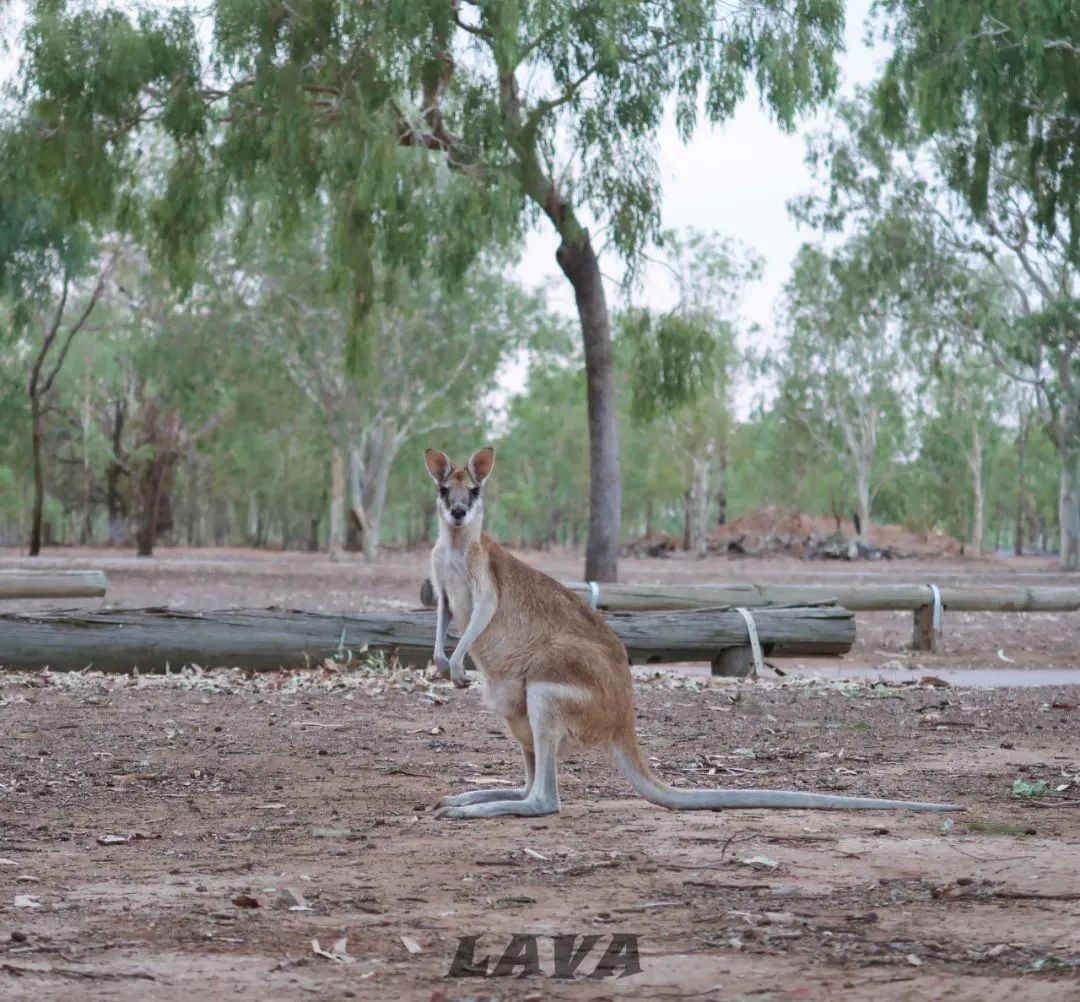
(114, 499)
(1021, 491)
(86, 531)
(978, 513)
(384, 449)
(688, 520)
(337, 500)
(152, 484)
(359, 522)
(579, 263)
(1069, 511)
(699, 505)
(39, 475)
(862, 498)
(721, 476)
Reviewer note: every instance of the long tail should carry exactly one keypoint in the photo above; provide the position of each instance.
(636, 769)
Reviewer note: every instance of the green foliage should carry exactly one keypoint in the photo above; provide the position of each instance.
(673, 361)
(37, 246)
(678, 357)
(325, 99)
(989, 78)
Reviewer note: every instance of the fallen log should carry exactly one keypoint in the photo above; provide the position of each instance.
(151, 639)
(51, 584)
(817, 647)
(927, 626)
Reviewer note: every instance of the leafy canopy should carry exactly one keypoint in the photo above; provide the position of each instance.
(550, 106)
(998, 76)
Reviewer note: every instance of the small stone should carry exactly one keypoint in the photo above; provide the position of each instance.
(17, 936)
(291, 899)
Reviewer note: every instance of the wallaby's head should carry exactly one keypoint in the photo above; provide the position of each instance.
(460, 500)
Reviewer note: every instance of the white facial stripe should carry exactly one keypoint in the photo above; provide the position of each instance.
(472, 513)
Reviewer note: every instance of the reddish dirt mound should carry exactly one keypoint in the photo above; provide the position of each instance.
(778, 529)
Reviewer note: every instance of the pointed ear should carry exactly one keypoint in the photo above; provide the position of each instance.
(438, 465)
(481, 463)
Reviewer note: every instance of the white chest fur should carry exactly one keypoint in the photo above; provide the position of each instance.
(450, 570)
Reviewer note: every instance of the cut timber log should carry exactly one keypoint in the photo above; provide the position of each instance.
(927, 629)
(862, 597)
(52, 584)
(150, 639)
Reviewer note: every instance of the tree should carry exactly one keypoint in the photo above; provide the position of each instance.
(682, 363)
(42, 258)
(998, 82)
(537, 110)
(844, 366)
(970, 396)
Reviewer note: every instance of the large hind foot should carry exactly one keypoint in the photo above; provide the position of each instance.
(483, 797)
(531, 807)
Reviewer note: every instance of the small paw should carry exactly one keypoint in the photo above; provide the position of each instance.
(457, 674)
(442, 662)
(450, 813)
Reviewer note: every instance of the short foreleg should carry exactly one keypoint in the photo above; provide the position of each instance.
(442, 622)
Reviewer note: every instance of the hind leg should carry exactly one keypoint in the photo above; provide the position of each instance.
(514, 707)
(547, 731)
(489, 796)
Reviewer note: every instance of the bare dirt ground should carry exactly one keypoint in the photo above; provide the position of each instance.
(314, 790)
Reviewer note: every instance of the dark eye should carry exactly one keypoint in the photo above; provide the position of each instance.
(444, 491)
(475, 492)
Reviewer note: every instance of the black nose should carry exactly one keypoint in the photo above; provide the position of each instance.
(458, 511)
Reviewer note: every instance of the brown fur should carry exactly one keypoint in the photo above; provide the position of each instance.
(542, 632)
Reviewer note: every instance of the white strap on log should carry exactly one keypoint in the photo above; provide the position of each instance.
(755, 644)
(594, 594)
(935, 616)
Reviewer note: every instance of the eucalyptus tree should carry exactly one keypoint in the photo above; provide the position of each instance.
(682, 363)
(844, 367)
(971, 397)
(514, 112)
(998, 82)
(44, 263)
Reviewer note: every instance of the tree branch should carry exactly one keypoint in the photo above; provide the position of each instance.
(83, 317)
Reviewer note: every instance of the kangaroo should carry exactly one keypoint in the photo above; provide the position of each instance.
(552, 668)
